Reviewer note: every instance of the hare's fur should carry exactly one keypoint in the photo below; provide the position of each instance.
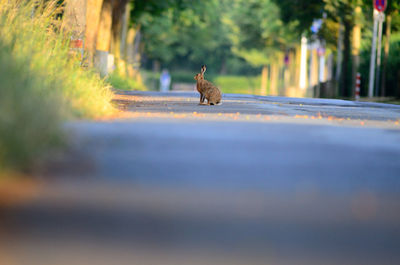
(206, 89)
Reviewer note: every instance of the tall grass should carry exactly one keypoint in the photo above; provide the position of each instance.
(41, 83)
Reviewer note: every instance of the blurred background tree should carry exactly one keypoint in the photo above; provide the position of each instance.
(243, 38)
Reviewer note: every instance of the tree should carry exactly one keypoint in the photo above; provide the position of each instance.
(301, 12)
(260, 36)
(93, 10)
(392, 11)
(188, 37)
(342, 12)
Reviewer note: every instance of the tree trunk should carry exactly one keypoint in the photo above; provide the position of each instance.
(124, 33)
(118, 17)
(264, 80)
(93, 12)
(136, 53)
(314, 68)
(129, 51)
(104, 29)
(286, 81)
(101, 60)
(298, 91)
(74, 20)
(132, 51)
(274, 79)
(344, 80)
(386, 55)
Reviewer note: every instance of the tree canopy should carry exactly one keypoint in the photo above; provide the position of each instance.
(239, 35)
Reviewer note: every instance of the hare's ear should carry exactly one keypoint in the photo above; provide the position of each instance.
(203, 69)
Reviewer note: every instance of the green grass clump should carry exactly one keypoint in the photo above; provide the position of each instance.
(42, 83)
(238, 84)
(29, 116)
(118, 81)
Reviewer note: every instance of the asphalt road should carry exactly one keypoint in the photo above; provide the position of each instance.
(256, 180)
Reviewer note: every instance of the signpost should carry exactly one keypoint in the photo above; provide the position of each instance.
(76, 45)
(379, 17)
(358, 83)
(380, 5)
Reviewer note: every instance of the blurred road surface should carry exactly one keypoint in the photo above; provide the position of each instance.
(256, 180)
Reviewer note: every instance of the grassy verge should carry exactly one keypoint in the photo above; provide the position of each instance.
(387, 100)
(238, 84)
(42, 84)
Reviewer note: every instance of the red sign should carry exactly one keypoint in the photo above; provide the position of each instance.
(76, 44)
(380, 5)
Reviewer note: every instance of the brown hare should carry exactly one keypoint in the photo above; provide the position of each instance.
(206, 89)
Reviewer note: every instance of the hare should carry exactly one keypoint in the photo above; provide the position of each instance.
(206, 89)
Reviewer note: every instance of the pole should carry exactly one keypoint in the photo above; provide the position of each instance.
(303, 63)
(356, 43)
(373, 57)
(381, 18)
(358, 83)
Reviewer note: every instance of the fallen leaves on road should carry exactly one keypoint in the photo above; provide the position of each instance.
(301, 116)
(179, 116)
(137, 103)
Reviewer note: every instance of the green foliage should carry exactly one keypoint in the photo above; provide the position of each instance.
(392, 69)
(393, 66)
(258, 33)
(118, 81)
(217, 33)
(151, 79)
(194, 34)
(30, 112)
(156, 7)
(302, 12)
(42, 83)
(240, 36)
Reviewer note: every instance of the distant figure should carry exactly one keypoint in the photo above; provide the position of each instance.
(165, 81)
